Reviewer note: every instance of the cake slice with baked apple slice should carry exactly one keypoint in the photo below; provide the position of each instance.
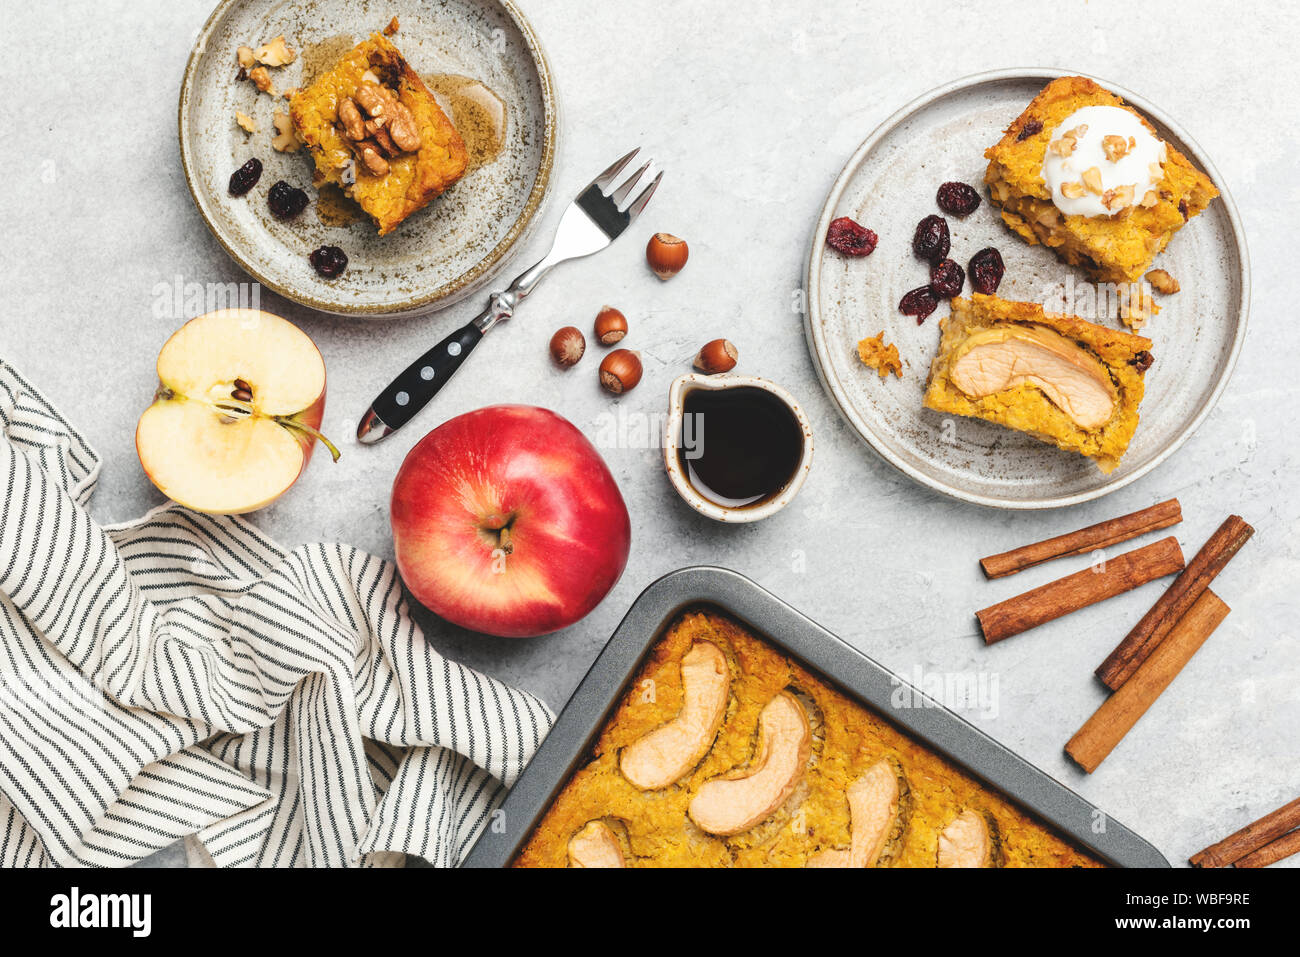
(1061, 379)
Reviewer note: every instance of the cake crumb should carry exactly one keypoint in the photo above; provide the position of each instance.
(882, 356)
(391, 28)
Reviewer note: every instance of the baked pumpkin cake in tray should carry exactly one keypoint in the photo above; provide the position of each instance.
(726, 753)
(1061, 379)
(376, 131)
(1086, 175)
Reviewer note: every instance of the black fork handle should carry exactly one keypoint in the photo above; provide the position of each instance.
(424, 378)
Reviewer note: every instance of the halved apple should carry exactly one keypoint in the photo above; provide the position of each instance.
(240, 398)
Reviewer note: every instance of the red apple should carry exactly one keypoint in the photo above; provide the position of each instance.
(506, 521)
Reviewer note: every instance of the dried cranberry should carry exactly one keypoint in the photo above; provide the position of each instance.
(1032, 127)
(931, 240)
(946, 279)
(851, 239)
(957, 199)
(329, 261)
(286, 201)
(246, 177)
(1182, 208)
(1142, 361)
(986, 270)
(920, 302)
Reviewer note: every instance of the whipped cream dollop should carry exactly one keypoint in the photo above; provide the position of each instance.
(1101, 159)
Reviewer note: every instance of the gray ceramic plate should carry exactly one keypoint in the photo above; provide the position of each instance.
(568, 745)
(889, 185)
(442, 253)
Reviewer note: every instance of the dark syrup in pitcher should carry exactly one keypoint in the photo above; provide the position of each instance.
(740, 446)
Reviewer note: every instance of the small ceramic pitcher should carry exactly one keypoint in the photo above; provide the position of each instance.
(673, 442)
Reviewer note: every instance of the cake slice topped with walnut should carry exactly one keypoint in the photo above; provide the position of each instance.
(376, 131)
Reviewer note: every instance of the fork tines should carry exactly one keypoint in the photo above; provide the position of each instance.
(640, 186)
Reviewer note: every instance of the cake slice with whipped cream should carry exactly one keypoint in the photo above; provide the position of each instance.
(1086, 175)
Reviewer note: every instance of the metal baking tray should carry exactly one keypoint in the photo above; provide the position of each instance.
(568, 746)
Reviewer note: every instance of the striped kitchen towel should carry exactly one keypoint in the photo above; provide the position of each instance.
(184, 675)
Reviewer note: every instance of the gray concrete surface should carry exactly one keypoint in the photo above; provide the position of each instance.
(754, 113)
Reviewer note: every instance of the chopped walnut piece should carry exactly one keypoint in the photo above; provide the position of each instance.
(1092, 180)
(1150, 198)
(1117, 198)
(1162, 282)
(245, 121)
(392, 27)
(261, 78)
(1115, 147)
(1063, 147)
(1069, 140)
(246, 58)
(1072, 190)
(276, 53)
(1136, 310)
(286, 140)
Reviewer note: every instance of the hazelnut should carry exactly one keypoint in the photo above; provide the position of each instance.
(717, 356)
(620, 371)
(567, 346)
(611, 325)
(666, 254)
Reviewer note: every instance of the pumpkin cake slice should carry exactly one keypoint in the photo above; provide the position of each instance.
(376, 131)
(1088, 176)
(1066, 381)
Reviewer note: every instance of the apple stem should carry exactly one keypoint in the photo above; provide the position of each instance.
(303, 427)
(503, 537)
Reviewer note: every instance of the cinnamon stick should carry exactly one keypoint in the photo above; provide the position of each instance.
(1101, 535)
(1121, 711)
(1051, 601)
(1272, 852)
(1173, 604)
(1250, 838)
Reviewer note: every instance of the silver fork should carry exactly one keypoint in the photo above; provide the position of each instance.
(592, 221)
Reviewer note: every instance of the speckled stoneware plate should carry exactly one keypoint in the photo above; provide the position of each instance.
(889, 185)
(440, 254)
